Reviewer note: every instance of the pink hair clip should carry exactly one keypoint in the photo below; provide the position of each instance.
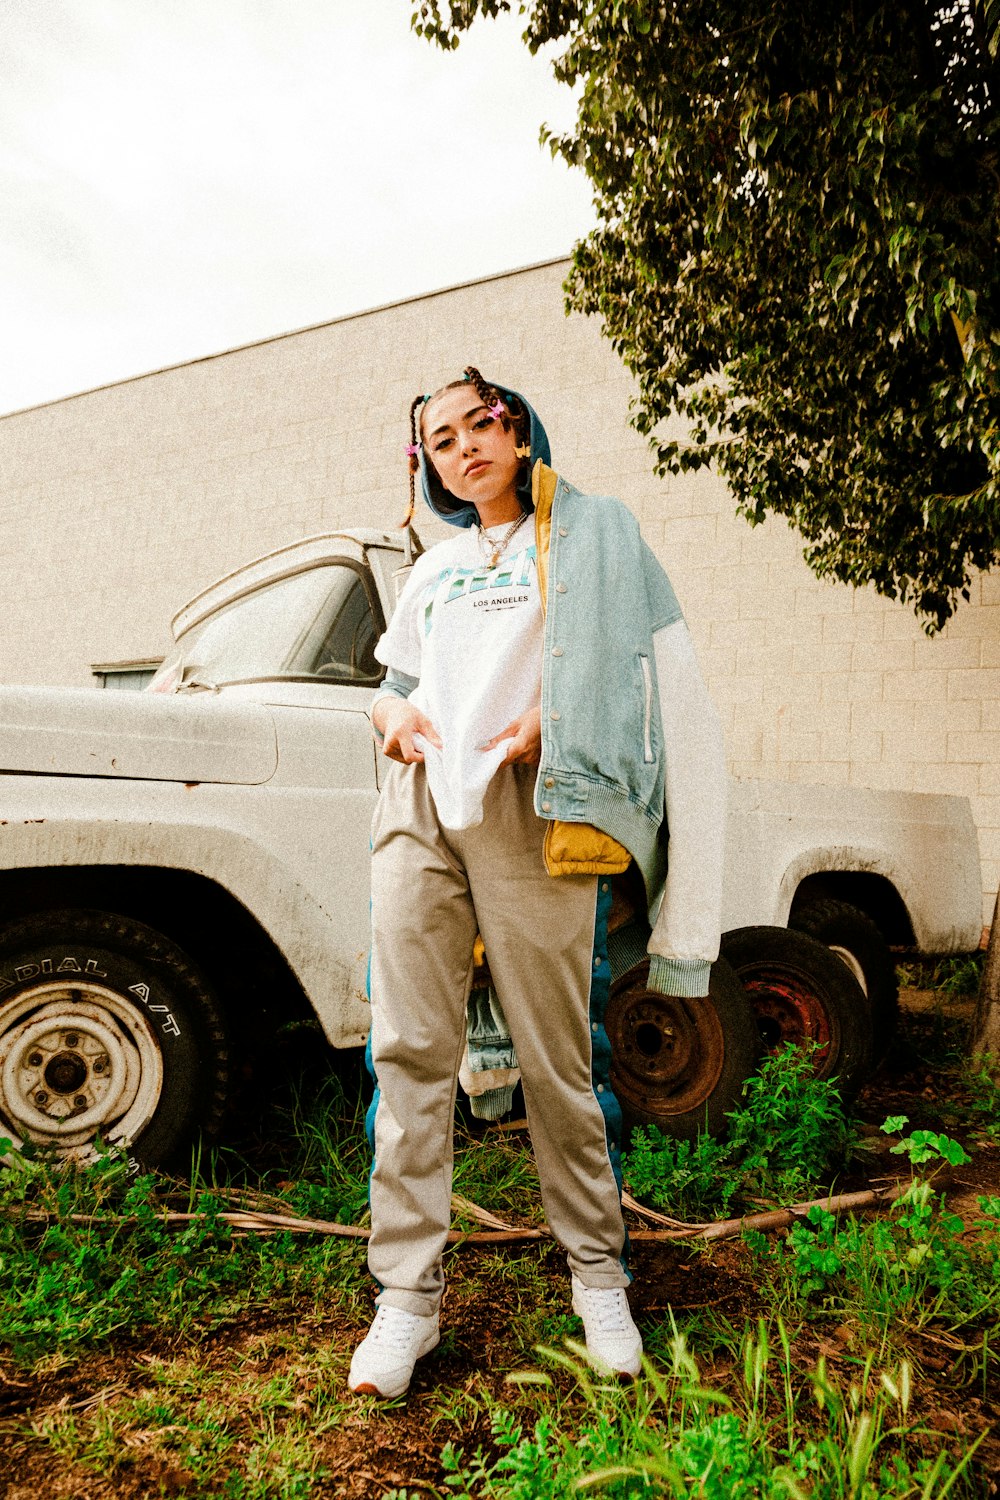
(412, 449)
(497, 410)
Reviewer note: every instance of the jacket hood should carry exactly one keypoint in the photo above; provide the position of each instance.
(461, 512)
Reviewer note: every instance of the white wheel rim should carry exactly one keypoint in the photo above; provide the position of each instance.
(850, 960)
(77, 1061)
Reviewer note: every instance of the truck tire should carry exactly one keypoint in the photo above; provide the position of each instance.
(799, 992)
(677, 1063)
(108, 1033)
(856, 940)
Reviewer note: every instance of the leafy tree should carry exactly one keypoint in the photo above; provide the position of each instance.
(798, 249)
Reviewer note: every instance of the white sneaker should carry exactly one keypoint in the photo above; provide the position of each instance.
(613, 1341)
(383, 1361)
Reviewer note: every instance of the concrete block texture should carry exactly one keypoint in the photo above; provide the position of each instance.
(122, 502)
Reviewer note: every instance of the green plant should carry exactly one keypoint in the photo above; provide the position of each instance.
(266, 1415)
(813, 1248)
(684, 1177)
(903, 1270)
(779, 1144)
(773, 1435)
(980, 1080)
(87, 1254)
(791, 1126)
(960, 975)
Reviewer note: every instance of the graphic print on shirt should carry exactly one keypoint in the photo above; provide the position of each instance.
(507, 586)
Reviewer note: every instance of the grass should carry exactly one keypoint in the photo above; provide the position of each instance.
(254, 1435)
(772, 1433)
(851, 1357)
(953, 975)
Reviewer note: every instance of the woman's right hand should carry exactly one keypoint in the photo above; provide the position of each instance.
(398, 721)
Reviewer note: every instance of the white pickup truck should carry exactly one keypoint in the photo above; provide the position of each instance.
(183, 867)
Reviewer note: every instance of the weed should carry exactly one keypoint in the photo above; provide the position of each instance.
(779, 1144)
(758, 1421)
(254, 1444)
(980, 1081)
(813, 1249)
(960, 975)
(957, 974)
(672, 1434)
(791, 1127)
(86, 1254)
(902, 1271)
(683, 1177)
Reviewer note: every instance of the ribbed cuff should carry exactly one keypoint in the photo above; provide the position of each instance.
(494, 1104)
(678, 976)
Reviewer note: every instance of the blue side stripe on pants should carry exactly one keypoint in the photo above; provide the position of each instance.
(600, 990)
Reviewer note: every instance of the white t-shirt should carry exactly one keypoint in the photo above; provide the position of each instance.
(472, 635)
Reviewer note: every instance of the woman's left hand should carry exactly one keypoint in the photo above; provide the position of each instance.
(525, 735)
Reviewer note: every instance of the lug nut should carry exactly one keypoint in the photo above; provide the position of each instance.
(100, 1065)
(41, 1097)
(72, 1040)
(35, 1060)
(80, 1101)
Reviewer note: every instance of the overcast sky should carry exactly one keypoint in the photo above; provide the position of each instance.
(179, 176)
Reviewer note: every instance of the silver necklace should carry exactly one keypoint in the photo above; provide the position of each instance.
(493, 551)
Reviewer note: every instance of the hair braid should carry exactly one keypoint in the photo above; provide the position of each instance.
(490, 396)
(414, 461)
(514, 414)
(487, 394)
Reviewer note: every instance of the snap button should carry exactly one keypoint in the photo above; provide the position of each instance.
(604, 885)
(551, 781)
(600, 1088)
(563, 531)
(546, 807)
(597, 963)
(593, 1025)
(555, 714)
(560, 588)
(557, 651)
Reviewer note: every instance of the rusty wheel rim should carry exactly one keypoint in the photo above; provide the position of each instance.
(667, 1050)
(788, 1008)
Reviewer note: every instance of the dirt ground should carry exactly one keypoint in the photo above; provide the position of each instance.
(366, 1451)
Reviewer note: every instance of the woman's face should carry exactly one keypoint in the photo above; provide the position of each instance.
(473, 455)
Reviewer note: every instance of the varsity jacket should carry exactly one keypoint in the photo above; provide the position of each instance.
(632, 762)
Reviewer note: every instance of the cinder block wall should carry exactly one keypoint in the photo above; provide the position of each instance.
(121, 503)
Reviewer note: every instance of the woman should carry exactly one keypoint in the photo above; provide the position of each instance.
(528, 659)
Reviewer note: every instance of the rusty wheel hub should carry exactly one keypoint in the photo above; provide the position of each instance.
(667, 1050)
(788, 1009)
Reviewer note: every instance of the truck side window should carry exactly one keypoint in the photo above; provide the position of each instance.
(321, 623)
(348, 649)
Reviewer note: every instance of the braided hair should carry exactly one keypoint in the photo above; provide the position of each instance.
(414, 461)
(512, 414)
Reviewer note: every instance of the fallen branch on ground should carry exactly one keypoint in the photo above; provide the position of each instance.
(251, 1221)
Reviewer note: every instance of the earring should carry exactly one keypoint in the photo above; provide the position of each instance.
(522, 451)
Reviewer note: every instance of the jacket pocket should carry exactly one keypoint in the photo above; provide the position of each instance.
(647, 709)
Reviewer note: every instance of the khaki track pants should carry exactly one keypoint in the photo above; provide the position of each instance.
(432, 889)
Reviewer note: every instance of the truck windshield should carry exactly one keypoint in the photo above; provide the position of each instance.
(322, 623)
